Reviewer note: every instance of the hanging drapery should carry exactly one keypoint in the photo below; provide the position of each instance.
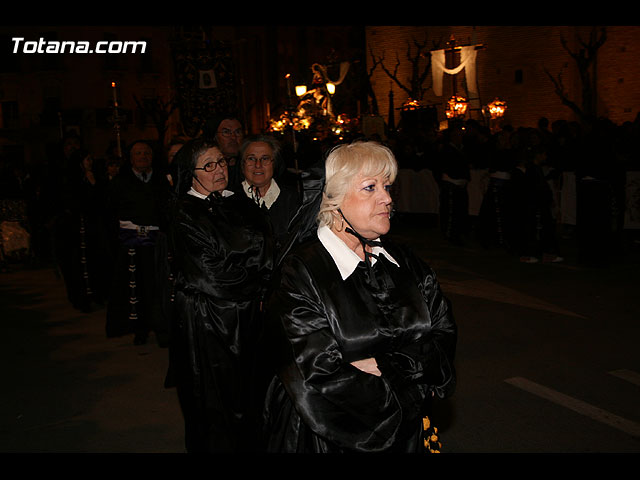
(344, 68)
(467, 62)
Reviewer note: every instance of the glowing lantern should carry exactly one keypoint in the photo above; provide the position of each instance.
(410, 105)
(497, 108)
(457, 107)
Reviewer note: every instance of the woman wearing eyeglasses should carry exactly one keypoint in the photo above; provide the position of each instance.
(260, 160)
(222, 250)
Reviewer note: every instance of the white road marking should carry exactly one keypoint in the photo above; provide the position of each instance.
(627, 375)
(578, 406)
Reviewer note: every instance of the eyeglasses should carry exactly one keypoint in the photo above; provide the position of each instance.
(225, 132)
(265, 160)
(211, 166)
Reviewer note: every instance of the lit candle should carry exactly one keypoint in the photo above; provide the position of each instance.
(115, 98)
(288, 77)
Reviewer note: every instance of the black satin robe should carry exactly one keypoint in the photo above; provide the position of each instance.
(223, 258)
(281, 213)
(319, 323)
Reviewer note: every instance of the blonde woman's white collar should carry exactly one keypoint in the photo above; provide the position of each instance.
(346, 259)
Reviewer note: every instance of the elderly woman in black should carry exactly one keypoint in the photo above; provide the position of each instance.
(222, 248)
(364, 335)
(260, 163)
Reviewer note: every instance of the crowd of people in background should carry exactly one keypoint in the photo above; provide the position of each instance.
(527, 168)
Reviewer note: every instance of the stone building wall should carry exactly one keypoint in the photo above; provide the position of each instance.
(513, 65)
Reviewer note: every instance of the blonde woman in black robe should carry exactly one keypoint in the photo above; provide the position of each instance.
(361, 336)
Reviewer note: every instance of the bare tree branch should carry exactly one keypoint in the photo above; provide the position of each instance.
(414, 54)
(560, 91)
(585, 60)
(417, 78)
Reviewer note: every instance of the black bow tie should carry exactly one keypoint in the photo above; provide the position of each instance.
(378, 275)
(365, 243)
(255, 194)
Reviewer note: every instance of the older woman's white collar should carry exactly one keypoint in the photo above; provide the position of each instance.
(195, 193)
(346, 259)
(269, 198)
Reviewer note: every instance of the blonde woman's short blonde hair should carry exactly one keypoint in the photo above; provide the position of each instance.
(344, 163)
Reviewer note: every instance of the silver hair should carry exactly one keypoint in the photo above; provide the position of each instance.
(269, 140)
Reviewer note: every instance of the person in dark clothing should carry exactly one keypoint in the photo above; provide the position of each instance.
(594, 198)
(521, 211)
(361, 338)
(137, 200)
(172, 149)
(165, 274)
(223, 261)
(543, 196)
(226, 130)
(260, 162)
(86, 267)
(493, 227)
(534, 226)
(454, 197)
(54, 191)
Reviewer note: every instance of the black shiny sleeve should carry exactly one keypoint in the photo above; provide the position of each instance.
(204, 260)
(427, 362)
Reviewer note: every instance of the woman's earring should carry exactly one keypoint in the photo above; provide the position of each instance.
(341, 224)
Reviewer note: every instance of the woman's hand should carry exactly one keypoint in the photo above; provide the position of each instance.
(367, 365)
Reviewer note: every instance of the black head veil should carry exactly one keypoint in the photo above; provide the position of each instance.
(303, 224)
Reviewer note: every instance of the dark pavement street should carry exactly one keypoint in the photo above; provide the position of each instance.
(68, 388)
(548, 360)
